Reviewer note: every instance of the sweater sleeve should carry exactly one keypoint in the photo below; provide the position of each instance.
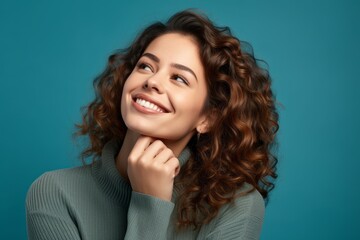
(241, 220)
(148, 217)
(46, 213)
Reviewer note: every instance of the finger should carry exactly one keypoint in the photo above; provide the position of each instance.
(140, 146)
(164, 155)
(173, 163)
(154, 149)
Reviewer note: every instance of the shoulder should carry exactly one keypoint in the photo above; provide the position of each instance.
(53, 187)
(61, 178)
(250, 204)
(242, 218)
(245, 205)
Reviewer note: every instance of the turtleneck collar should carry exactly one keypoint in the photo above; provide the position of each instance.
(109, 178)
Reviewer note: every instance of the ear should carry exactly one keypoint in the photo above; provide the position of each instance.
(203, 125)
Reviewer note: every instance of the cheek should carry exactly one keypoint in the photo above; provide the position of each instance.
(123, 99)
(189, 103)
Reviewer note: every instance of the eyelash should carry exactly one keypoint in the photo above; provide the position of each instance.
(142, 65)
(176, 76)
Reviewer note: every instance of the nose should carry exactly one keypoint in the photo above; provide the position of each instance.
(154, 83)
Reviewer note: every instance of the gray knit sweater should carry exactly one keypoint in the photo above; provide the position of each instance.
(94, 202)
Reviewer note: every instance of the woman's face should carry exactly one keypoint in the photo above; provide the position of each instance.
(164, 95)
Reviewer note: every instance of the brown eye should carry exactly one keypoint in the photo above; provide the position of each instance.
(180, 79)
(145, 67)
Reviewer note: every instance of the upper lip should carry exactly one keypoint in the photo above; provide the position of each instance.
(149, 99)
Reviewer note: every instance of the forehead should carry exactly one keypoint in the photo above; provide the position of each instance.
(180, 37)
(173, 45)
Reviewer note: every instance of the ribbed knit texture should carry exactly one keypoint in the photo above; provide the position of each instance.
(94, 202)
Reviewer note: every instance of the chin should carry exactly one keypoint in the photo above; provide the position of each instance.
(141, 131)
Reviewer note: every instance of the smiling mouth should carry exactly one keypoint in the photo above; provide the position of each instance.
(149, 105)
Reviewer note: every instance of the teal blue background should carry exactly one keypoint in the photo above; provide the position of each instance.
(50, 51)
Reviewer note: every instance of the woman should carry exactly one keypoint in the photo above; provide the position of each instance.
(180, 131)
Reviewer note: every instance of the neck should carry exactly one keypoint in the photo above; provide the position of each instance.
(176, 146)
(127, 145)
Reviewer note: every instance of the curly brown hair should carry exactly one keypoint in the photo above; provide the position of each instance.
(244, 121)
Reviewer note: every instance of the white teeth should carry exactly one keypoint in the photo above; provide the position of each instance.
(148, 105)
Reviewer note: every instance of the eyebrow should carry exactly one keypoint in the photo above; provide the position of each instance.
(175, 65)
